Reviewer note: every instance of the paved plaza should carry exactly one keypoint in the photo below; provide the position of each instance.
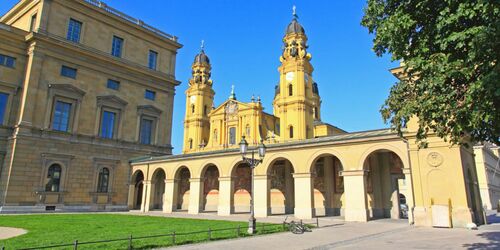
(378, 234)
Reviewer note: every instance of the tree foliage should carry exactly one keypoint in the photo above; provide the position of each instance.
(450, 51)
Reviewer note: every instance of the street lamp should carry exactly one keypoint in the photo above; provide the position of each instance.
(253, 163)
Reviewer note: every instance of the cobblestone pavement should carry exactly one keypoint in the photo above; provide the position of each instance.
(377, 234)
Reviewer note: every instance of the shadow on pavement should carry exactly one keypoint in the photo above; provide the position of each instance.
(493, 241)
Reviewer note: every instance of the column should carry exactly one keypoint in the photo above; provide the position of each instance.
(195, 191)
(225, 206)
(355, 195)
(170, 199)
(409, 194)
(261, 195)
(146, 196)
(303, 196)
(395, 211)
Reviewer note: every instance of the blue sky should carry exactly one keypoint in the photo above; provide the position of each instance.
(243, 41)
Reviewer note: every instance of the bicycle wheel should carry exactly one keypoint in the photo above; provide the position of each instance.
(296, 229)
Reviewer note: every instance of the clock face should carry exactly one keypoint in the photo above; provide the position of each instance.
(192, 99)
(289, 76)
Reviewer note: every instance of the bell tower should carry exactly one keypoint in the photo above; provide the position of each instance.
(296, 100)
(199, 101)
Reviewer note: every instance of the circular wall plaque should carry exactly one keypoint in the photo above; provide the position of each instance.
(434, 159)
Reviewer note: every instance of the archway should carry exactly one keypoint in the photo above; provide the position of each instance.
(281, 187)
(210, 188)
(328, 184)
(137, 181)
(182, 186)
(158, 189)
(242, 186)
(383, 169)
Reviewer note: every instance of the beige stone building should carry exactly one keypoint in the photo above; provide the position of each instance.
(83, 88)
(311, 168)
(487, 157)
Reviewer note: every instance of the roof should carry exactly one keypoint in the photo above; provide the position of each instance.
(334, 138)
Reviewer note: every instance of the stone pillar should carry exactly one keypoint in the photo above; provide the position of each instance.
(146, 196)
(170, 197)
(409, 194)
(395, 211)
(225, 206)
(261, 195)
(304, 208)
(152, 195)
(289, 188)
(328, 180)
(131, 196)
(355, 195)
(195, 191)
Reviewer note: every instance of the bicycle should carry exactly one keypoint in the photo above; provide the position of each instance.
(295, 227)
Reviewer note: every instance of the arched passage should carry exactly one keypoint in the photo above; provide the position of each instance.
(137, 181)
(242, 186)
(210, 192)
(328, 184)
(158, 188)
(281, 187)
(182, 186)
(383, 169)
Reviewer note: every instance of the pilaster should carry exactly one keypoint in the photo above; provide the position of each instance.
(226, 190)
(303, 196)
(261, 195)
(194, 195)
(355, 195)
(170, 198)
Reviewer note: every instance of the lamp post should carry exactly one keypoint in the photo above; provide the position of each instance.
(253, 163)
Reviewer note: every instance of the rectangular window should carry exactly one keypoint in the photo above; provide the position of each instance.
(33, 22)
(149, 94)
(112, 84)
(153, 57)
(74, 30)
(146, 131)
(7, 61)
(68, 72)
(232, 135)
(3, 105)
(117, 46)
(60, 121)
(108, 124)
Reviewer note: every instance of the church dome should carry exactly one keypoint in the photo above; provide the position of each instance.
(201, 58)
(295, 27)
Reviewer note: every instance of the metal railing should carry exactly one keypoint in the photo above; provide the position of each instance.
(173, 237)
(105, 7)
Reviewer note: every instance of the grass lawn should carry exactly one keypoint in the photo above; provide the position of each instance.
(52, 229)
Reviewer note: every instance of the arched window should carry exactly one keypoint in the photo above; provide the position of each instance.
(53, 178)
(103, 181)
(205, 110)
(315, 113)
(215, 135)
(190, 143)
(291, 132)
(192, 108)
(290, 90)
(247, 130)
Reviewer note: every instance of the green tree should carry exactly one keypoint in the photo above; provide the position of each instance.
(450, 50)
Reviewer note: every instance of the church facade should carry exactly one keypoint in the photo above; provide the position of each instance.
(311, 168)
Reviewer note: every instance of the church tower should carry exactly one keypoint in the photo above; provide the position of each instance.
(199, 101)
(296, 102)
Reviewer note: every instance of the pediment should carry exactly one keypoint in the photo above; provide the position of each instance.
(110, 100)
(149, 109)
(68, 88)
(230, 106)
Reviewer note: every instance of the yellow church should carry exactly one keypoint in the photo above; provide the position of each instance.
(310, 168)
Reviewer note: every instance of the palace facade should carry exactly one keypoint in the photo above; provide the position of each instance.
(311, 168)
(83, 88)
